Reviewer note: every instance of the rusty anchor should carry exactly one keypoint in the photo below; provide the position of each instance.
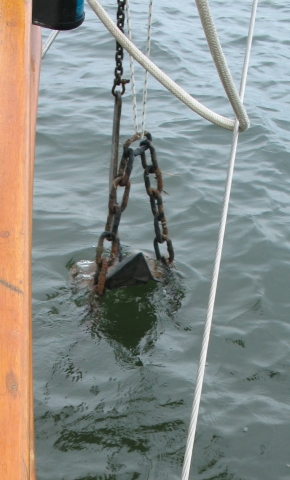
(115, 270)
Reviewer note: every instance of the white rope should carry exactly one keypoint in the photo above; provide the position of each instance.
(215, 274)
(164, 79)
(219, 58)
(134, 102)
(148, 43)
(50, 40)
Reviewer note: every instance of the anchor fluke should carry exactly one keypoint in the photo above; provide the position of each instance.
(132, 270)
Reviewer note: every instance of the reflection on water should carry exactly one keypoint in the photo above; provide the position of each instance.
(114, 416)
(128, 317)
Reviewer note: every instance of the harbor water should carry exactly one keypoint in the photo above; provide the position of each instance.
(113, 385)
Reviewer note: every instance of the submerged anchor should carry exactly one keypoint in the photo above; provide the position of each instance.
(134, 269)
(119, 271)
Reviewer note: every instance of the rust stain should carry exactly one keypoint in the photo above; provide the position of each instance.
(10, 286)
(4, 234)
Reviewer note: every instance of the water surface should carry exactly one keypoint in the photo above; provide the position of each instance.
(114, 387)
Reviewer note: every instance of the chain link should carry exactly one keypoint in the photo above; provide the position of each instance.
(156, 201)
(123, 179)
(119, 51)
(114, 216)
(115, 210)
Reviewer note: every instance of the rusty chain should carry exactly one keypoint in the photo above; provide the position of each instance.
(115, 210)
(155, 195)
(122, 178)
(114, 216)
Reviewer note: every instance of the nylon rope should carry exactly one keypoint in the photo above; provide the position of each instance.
(215, 274)
(148, 43)
(145, 87)
(49, 42)
(175, 89)
(134, 102)
(219, 58)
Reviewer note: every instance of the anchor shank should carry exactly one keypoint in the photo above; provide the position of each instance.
(115, 139)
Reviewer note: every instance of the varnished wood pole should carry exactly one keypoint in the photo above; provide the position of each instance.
(20, 58)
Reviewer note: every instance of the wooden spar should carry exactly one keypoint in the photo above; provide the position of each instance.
(20, 59)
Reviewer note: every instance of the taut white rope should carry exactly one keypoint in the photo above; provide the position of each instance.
(51, 38)
(146, 71)
(213, 288)
(134, 102)
(148, 42)
(164, 79)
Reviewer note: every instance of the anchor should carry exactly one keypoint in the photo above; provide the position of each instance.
(117, 271)
(136, 268)
(132, 270)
